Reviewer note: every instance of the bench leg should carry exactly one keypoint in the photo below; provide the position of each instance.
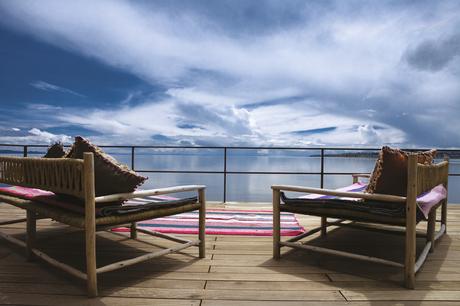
(430, 229)
(31, 234)
(409, 262)
(411, 223)
(91, 261)
(133, 231)
(276, 224)
(323, 226)
(202, 223)
(444, 215)
(90, 224)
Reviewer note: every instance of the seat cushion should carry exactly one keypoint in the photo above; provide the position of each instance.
(390, 171)
(359, 210)
(347, 204)
(110, 176)
(69, 204)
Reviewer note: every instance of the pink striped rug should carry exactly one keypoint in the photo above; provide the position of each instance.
(224, 222)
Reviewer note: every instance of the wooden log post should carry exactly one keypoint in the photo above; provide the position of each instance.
(133, 230)
(31, 234)
(430, 228)
(90, 223)
(323, 226)
(444, 215)
(276, 224)
(411, 223)
(202, 223)
(444, 204)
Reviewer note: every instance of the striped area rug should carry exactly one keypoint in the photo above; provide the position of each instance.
(224, 222)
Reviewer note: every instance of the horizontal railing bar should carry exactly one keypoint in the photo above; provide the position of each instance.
(252, 172)
(236, 148)
(222, 172)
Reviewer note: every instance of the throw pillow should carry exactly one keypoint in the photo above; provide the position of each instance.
(110, 176)
(390, 171)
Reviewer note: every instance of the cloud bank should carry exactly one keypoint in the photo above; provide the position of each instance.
(258, 72)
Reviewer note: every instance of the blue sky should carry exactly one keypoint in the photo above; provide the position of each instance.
(288, 73)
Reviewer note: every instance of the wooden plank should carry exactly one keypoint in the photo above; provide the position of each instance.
(366, 276)
(228, 294)
(285, 270)
(243, 277)
(288, 286)
(319, 303)
(335, 285)
(52, 300)
(274, 295)
(41, 288)
(110, 282)
(403, 295)
(142, 269)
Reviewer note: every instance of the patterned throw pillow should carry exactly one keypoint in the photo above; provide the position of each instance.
(110, 176)
(55, 151)
(390, 171)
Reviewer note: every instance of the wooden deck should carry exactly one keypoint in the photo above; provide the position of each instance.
(238, 271)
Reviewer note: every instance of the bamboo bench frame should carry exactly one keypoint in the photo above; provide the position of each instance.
(421, 178)
(76, 177)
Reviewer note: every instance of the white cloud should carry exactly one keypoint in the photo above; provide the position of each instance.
(51, 87)
(46, 137)
(43, 107)
(35, 136)
(350, 66)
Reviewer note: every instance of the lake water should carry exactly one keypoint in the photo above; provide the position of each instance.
(251, 187)
(254, 187)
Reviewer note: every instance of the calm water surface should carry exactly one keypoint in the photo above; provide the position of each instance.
(256, 187)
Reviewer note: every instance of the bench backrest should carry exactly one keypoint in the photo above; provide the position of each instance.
(429, 176)
(59, 175)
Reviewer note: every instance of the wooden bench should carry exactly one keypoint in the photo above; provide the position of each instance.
(421, 178)
(75, 178)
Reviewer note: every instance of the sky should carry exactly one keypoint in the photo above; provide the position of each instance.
(231, 72)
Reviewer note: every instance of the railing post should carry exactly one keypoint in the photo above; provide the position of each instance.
(225, 174)
(132, 158)
(25, 151)
(322, 168)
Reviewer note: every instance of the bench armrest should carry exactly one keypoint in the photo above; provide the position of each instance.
(366, 175)
(146, 193)
(356, 176)
(367, 196)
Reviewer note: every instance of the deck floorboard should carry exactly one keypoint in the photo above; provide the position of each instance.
(237, 271)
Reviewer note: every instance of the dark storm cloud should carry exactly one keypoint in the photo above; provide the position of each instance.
(434, 55)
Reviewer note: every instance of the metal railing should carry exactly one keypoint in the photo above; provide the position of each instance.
(225, 172)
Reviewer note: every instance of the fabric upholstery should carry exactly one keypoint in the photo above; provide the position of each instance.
(55, 151)
(390, 171)
(110, 176)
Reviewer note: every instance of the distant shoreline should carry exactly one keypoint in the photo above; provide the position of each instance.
(453, 155)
